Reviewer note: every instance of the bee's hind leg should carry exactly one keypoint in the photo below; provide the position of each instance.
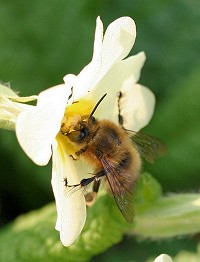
(84, 182)
(91, 197)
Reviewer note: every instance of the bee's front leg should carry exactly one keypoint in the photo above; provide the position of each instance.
(81, 151)
(75, 159)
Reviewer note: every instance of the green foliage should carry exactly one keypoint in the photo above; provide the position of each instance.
(32, 237)
(179, 127)
(44, 40)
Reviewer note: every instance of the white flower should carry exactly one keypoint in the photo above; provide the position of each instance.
(163, 258)
(11, 106)
(38, 128)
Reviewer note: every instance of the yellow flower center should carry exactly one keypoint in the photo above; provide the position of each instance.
(82, 107)
(73, 112)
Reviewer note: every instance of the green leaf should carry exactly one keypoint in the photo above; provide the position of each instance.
(173, 215)
(32, 237)
(148, 190)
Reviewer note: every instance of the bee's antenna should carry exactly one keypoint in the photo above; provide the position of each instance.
(94, 109)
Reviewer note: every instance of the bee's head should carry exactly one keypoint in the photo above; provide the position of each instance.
(82, 130)
(79, 128)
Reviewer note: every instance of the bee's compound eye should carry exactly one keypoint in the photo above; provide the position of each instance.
(78, 136)
(74, 136)
(83, 134)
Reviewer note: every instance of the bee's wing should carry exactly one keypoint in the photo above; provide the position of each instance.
(149, 147)
(122, 185)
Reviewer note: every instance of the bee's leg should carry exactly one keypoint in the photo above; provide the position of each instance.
(120, 117)
(96, 185)
(100, 174)
(81, 151)
(70, 96)
(73, 157)
(91, 197)
(84, 182)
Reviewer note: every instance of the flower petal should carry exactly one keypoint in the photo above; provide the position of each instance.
(70, 203)
(88, 74)
(117, 43)
(75, 170)
(9, 112)
(7, 91)
(163, 258)
(112, 84)
(136, 105)
(37, 127)
(98, 40)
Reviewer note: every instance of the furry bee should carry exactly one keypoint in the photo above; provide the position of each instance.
(115, 153)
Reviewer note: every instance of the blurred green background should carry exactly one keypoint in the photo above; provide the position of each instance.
(41, 41)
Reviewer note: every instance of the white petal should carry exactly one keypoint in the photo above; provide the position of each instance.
(71, 207)
(9, 112)
(75, 170)
(163, 258)
(136, 105)
(70, 79)
(98, 40)
(36, 128)
(112, 84)
(7, 91)
(117, 43)
(73, 217)
(87, 76)
(85, 79)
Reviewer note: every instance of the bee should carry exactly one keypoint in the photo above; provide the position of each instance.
(115, 154)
